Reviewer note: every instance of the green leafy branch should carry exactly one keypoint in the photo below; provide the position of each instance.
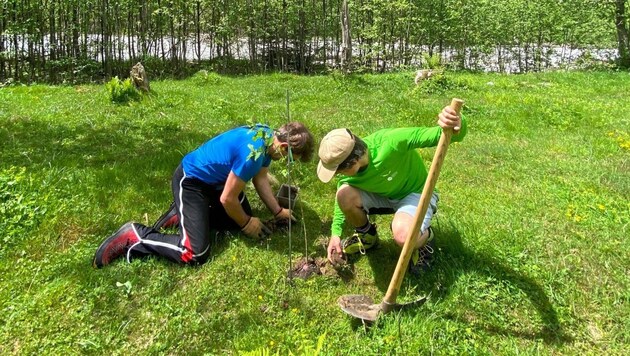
(260, 133)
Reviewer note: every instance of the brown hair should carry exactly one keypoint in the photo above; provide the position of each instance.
(299, 138)
(359, 149)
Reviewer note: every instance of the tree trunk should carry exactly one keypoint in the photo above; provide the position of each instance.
(285, 60)
(302, 44)
(143, 24)
(131, 48)
(184, 35)
(346, 38)
(198, 29)
(623, 42)
(224, 36)
(41, 17)
(31, 57)
(118, 33)
(85, 29)
(173, 44)
(3, 14)
(76, 53)
(265, 55)
(104, 45)
(160, 33)
(252, 37)
(52, 40)
(16, 47)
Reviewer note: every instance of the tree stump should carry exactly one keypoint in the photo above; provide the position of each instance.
(422, 75)
(139, 77)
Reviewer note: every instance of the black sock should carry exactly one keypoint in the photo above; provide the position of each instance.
(367, 228)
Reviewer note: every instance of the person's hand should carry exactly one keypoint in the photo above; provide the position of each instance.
(448, 119)
(335, 251)
(255, 229)
(284, 215)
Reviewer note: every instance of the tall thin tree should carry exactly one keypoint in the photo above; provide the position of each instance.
(623, 42)
(346, 38)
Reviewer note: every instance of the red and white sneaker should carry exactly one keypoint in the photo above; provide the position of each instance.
(116, 245)
(168, 219)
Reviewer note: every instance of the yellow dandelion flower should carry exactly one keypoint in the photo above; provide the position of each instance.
(578, 218)
(601, 207)
(295, 310)
(233, 258)
(260, 297)
(271, 343)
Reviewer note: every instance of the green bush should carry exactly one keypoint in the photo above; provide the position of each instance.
(432, 61)
(203, 77)
(122, 91)
(589, 62)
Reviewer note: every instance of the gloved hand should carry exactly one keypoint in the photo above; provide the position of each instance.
(284, 215)
(255, 229)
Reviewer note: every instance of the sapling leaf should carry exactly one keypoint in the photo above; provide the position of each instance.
(127, 286)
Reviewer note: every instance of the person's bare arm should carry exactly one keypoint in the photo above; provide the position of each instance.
(229, 198)
(263, 188)
(250, 225)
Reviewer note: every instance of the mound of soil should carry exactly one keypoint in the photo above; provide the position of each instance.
(307, 267)
(277, 225)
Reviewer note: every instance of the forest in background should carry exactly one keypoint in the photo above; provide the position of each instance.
(91, 40)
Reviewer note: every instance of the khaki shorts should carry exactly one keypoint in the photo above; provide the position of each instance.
(378, 204)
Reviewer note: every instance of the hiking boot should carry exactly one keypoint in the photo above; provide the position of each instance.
(115, 245)
(422, 258)
(360, 242)
(168, 219)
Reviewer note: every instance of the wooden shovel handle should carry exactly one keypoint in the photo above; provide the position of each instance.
(425, 199)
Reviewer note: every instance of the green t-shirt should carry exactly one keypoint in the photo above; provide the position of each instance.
(396, 168)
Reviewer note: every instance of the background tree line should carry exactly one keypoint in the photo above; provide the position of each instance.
(78, 40)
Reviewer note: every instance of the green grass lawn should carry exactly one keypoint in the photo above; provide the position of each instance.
(532, 233)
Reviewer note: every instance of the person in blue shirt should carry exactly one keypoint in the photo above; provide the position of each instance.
(208, 194)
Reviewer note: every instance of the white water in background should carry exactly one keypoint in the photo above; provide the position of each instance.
(555, 56)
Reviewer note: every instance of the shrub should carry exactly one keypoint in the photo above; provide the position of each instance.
(122, 91)
(204, 77)
(433, 61)
(589, 62)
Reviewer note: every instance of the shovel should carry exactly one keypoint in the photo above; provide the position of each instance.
(363, 307)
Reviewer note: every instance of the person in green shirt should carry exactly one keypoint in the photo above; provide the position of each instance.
(379, 174)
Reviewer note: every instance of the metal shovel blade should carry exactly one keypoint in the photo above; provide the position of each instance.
(363, 307)
(359, 306)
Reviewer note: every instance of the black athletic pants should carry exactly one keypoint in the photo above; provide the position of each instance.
(199, 210)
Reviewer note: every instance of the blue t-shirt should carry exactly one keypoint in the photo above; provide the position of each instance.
(229, 151)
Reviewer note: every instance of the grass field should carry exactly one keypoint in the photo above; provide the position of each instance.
(532, 233)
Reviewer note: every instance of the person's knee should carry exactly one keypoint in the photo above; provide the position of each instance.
(402, 225)
(399, 232)
(199, 260)
(196, 260)
(200, 255)
(347, 197)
